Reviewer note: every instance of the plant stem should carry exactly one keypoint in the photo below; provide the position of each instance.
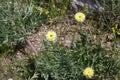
(32, 47)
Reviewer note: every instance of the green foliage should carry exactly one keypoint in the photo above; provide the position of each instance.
(56, 8)
(12, 67)
(5, 50)
(21, 18)
(69, 63)
(110, 16)
(60, 7)
(18, 20)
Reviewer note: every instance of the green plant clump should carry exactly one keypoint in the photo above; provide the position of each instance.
(61, 63)
(18, 20)
(110, 16)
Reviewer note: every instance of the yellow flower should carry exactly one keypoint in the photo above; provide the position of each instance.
(80, 17)
(118, 32)
(113, 29)
(51, 36)
(88, 72)
(116, 26)
(47, 12)
(41, 10)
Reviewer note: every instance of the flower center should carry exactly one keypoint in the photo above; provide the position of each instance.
(51, 35)
(88, 72)
(79, 16)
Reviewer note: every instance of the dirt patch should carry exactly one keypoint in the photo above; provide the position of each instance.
(66, 32)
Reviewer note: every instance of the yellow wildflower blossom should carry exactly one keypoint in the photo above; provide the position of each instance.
(88, 72)
(46, 12)
(80, 17)
(41, 10)
(116, 29)
(116, 26)
(113, 29)
(51, 36)
(118, 32)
